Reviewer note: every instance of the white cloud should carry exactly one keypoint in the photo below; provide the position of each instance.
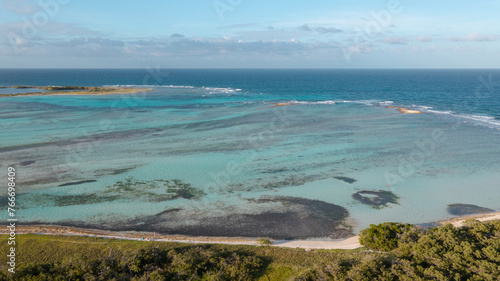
(424, 38)
(474, 37)
(399, 40)
(319, 29)
(97, 46)
(51, 29)
(23, 7)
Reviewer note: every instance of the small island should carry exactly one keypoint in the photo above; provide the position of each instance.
(75, 90)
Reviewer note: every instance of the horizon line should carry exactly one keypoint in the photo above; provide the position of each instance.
(244, 68)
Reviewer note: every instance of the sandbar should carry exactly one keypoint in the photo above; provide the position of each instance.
(405, 110)
(282, 104)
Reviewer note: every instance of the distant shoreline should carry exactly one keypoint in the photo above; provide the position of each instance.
(75, 90)
(341, 244)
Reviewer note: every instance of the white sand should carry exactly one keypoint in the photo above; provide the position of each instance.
(460, 221)
(346, 244)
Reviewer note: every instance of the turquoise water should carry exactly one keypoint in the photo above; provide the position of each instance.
(246, 167)
(7, 91)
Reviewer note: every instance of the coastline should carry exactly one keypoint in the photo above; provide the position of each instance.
(85, 91)
(459, 221)
(341, 244)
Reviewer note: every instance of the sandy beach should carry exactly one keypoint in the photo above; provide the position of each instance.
(344, 244)
(459, 221)
(350, 243)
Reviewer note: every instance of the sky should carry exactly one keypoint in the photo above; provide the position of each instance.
(249, 34)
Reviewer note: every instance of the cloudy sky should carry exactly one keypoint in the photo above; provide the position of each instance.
(249, 34)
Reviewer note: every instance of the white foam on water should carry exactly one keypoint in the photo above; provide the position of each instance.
(386, 103)
(482, 120)
(331, 102)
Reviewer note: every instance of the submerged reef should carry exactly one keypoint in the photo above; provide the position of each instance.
(345, 179)
(27, 163)
(128, 189)
(377, 199)
(81, 199)
(179, 189)
(292, 180)
(118, 171)
(77, 182)
(155, 190)
(35, 199)
(466, 209)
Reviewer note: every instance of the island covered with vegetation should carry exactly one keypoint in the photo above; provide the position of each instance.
(71, 90)
(392, 251)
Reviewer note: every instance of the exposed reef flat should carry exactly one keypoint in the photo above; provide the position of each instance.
(76, 90)
(405, 110)
(279, 218)
(292, 218)
(467, 209)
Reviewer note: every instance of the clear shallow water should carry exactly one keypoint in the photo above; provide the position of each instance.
(253, 169)
(7, 91)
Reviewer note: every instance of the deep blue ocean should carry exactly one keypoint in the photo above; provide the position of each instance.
(475, 92)
(208, 152)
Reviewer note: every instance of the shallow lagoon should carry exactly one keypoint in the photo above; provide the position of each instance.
(242, 166)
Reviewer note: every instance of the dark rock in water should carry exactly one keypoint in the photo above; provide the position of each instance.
(119, 171)
(466, 209)
(377, 199)
(287, 218)
(26, 163)
(77, 182)
(299, 219)
(346, 179)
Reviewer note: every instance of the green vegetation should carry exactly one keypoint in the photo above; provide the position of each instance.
(471, 252)
(264, 241)
(383, 237)
(442, 253)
